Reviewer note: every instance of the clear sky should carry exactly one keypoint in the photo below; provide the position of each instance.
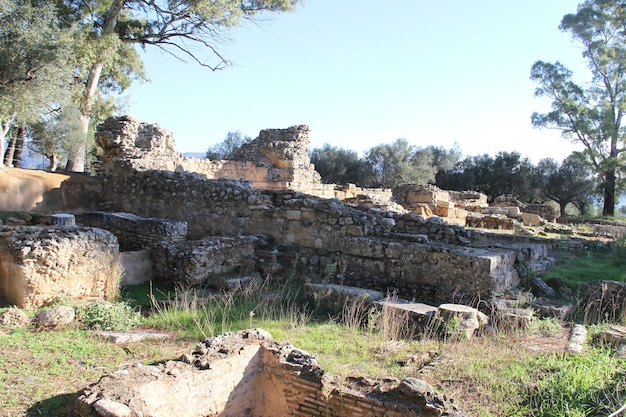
(366, 72)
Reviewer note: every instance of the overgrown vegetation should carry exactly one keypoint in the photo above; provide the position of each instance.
(574, 270)
(524, 373)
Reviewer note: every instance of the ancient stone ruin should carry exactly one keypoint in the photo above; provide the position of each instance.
(197, 228)
(249, 374)
(153, 215)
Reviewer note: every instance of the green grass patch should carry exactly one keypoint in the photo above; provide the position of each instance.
(574, 271)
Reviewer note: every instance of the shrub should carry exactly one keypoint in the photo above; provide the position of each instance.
(105, 315)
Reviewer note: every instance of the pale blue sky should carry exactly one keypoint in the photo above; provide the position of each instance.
(360, 73)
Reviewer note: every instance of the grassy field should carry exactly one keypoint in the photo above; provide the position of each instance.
(524, 373)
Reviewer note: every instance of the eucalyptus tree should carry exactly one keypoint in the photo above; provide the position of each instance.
(591, 114)
(186, 29)
(33, 63)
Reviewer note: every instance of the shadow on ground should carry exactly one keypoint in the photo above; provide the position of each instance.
(58, 406)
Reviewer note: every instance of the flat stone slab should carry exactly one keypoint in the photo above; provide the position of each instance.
(352, 293)
(129, 337)
(417, 312)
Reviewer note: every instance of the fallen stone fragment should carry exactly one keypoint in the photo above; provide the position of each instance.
(468, 320)
(543, 288)
(55, 317)
(14, 318)
(108, 408)
(577, 339)
(130, 337)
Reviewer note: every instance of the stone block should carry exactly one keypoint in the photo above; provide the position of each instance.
(100, 219)
(333, 297)
(38, 264)
(418, 314)
(166, 229)
(294, 215)
(530, 219)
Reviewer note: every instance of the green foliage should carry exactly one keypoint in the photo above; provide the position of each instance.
(591, 115)
(576, 270)
(546, 326)
(569, 182)
(577, 385)
(226, 148)
(34, 54)
(340, 166)
(105, 315)
(397, 163)
(508, 174)
(57, 134)
(33, 63)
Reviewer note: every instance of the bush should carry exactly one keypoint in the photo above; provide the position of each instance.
(105, 315)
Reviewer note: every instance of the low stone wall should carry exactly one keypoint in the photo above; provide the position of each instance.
(134, 232)
(323, 232)
(39, 264)
(203, 262)
(248, 374)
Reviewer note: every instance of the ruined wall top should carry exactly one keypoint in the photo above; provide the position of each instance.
(274, 145)
(130, 138)
(278, 158)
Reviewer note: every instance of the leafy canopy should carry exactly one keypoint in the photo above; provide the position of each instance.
(591, 115)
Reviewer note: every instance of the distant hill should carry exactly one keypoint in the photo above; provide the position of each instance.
(194, 154)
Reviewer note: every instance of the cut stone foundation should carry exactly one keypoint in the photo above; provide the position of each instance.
(248, 374)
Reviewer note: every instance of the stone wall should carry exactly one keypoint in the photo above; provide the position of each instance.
(248, 374)
(377, 249)
(277, 159)
(39, 264)
(24, 190)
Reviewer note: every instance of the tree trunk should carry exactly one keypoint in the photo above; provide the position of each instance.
(562, 205)
(76, 157)
(54, 162)
(76, 160)
(20, 136)
(609, 193)
(9, 152)
(4, 129)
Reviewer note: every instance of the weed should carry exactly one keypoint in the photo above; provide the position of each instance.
(105, 315)
(546, 326)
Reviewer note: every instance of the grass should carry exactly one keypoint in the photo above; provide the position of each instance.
(518, 374)
(42, 372)
(575, 270)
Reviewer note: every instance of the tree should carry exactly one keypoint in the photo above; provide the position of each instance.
(508, 174)
(398, 162)
(513, 176)
(226, 148)
(186, 29)
(340, 166)
(569, 182)
(33, 63)
(57, 134)
(445, 160)
(591, 116)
